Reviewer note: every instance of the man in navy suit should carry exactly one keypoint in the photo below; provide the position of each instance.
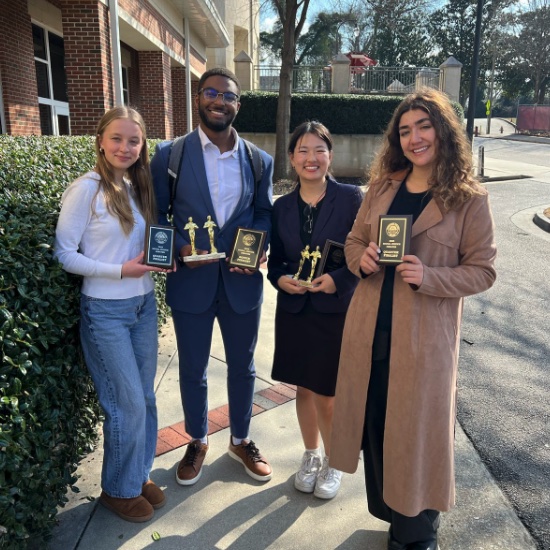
(216, 179)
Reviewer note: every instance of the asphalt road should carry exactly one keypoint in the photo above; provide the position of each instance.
(504, 373)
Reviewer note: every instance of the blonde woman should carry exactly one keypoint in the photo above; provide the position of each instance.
(100, 235)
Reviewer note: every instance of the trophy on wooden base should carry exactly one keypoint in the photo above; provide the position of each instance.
(159, 246)
(191, 227)
(247, 249)
(333, 257)
(394, 237)
(313, 256)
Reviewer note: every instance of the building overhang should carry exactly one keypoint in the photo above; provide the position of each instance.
(205, 21)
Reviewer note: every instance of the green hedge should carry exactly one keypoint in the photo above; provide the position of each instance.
(48, 408)
(341, 114)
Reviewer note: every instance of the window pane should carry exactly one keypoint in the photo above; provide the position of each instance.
(125, 78)
(42, 79)
(39, 43)
(46, 120)
(57, 59)
(63, 125)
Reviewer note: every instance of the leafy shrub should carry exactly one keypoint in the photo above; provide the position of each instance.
(48, 408)
(340, 113)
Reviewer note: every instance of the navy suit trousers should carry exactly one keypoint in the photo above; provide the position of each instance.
(194, 337)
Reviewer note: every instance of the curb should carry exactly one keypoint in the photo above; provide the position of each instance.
(485, 179)
(540, 220)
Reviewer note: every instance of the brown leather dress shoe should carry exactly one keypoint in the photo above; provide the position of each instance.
(255, 465)
(153, 494)
(136, 510)
(190, 467)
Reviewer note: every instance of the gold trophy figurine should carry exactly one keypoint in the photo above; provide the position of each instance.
(313, 256)
(305, 256)
(210, 224)
(191, 226)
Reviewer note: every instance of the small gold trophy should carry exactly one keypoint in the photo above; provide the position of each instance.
(209, 224)
(191, 226)
(313, 257)
(304, 256)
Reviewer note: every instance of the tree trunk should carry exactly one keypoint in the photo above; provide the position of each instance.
(281, 167)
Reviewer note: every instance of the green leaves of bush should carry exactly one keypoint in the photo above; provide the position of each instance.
(340, 113)
(48, 408)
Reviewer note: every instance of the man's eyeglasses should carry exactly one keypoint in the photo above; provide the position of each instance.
(212, 94)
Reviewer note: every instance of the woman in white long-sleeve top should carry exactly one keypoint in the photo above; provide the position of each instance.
(100, 235)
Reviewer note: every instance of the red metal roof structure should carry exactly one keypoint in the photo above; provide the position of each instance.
(360, 60)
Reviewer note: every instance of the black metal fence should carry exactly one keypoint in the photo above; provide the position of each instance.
(363, 80)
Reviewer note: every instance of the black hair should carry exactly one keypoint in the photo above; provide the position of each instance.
(220, 71)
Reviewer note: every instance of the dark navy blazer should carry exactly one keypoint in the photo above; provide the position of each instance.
(336, 216)
(193, 290)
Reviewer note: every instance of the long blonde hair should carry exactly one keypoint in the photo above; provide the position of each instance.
(116, 197)
(452, 179)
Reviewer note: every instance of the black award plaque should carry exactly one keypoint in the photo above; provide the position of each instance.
(159, 246)
(332, 257)
(247, 249)
(394, 238)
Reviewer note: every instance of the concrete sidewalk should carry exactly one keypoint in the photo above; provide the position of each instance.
(498, 168)
(227, 509)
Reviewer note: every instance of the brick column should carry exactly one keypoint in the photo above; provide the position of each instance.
(194, 90)
(155, 86)
(88, 60)
(179, 100)
(179, 97)
(17, 70)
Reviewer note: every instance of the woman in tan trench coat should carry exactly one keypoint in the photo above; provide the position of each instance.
(396, 389)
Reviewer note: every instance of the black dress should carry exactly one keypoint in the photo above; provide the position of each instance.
(406, 530)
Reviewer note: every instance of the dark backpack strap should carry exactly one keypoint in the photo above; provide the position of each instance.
(256, 164)
(175, 159)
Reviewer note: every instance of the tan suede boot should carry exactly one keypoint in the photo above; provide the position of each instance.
(154, 495)
(136, 510)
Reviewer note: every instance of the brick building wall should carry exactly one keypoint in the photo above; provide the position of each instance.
(155, 86)
(88, 62)
(180, 102)
(19, 90)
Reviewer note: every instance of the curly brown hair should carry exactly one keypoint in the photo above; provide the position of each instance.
(452, 179)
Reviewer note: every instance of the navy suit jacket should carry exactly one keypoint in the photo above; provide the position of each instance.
(335, 220)
(193, 290)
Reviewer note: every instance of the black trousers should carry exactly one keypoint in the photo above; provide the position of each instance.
(404, 529)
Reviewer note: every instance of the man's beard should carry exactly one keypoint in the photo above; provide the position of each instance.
(216, 126)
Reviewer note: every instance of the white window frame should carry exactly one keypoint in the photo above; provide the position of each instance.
(56, 107)
(125, 91)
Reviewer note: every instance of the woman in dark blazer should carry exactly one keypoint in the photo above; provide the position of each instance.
(309, 319)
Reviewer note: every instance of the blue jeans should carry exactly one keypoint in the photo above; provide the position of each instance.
(120, 343)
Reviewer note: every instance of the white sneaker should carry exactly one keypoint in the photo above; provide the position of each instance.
(306, 476)
(328, 481)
